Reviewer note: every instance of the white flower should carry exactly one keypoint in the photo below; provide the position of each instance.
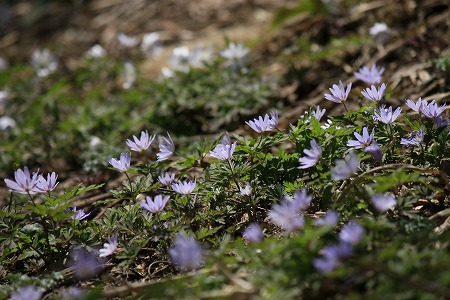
(96, 51)
(129, 73)
(7, 122)
(44, 62)
(151, 44)
(127, 41)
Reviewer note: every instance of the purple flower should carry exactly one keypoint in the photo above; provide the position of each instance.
(318, 113)
(184, 187)
(287, 215)
(330, 219)
(325, 265)
(386, 115)
(370, 76)
(223, 151)
(374, 150)
(109, 248)
(245, 191)
(73, 293)
(156, 205)
(313, 155)
(380, 31)
(86, 265)
(300, 201)
(338, 93)
(253, 233)
(373, 93)
(123, 164)
(186, 253)
(266, 124)
(332, 254)
(383, 202)
(80, 214)
(29, 292)
(416, 106)
(362, 141)
(345, 168)
(25, 183)
(141, 144)
(440, 122)
(46, 186)
(415, 138)
(166, 148)
(351, 233)
(432, 110)
(166, 178)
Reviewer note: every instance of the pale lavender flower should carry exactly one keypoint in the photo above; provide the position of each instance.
(345, 168)
(186, 253)
(264, 124)
(245, 191)
(351, 233)
(374, 94)
(80, 214)
(25, 182)
(374, 150)
(180, 59)
(96, 51)
(7, 122)
(123, 164)
(370, 76)
(253, 233)
(386, 115)
(151, 44)
(184, 187)
(432, 110)
(330, 219)
(155, 205)
(380, 31)
(166, 178)
(338, 93)
(326, 265)
(318, 113)
(235, 55)
(441, 122)
(415, 138)
(86, 264)
(313, 155)
(201, 56)
(73, 293)
(46, 185)
(44, 62)
(362, 141)
(142, 143)
(287, 215)
(127, 41)
(416, 106)
(301, 199)
(223, 152)
(29, 292)
(129, 74)
(166, 148)
(331, 256)
(109, 248)
(383, 202)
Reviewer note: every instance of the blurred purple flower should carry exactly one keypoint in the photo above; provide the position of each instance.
(370, 76)
(166, 148)
(383, 202)
(123, 164)
(313, 155)
(109, 248)
(386, 115)
(253, 233)
(24, 182)
(46, 186)
(373, 93)
(301, 200)
(415, 138)
(141, 144)
(338, 93)
(374, 150)
(266, 124)
(186, 253)
(73, 293)
(287, 215)
(331, 256)
(345, 168)
(330, 219)
(184, 187)
(155, 205)
(362, 141)
(29, 292)
(351, 233)
(86, 264)
(80, 214)
(441, 122)
(166, 178)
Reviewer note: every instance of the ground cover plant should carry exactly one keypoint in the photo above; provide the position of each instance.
(203, 182)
